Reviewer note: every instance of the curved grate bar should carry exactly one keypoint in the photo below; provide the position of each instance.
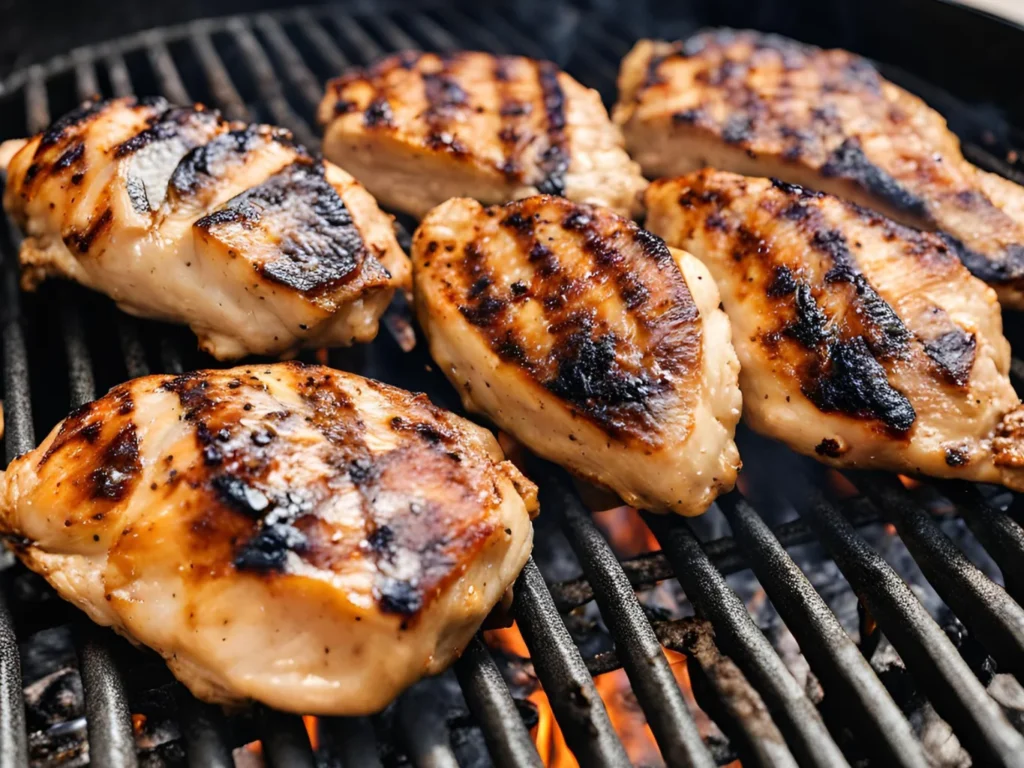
(638, 648)
(563, 674)
(285, 741)
(744, 642)
(833, 657)
(491, 704)
(205, 732)
(928, 654)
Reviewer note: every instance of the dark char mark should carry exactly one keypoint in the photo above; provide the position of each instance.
(59, 127)
(118, 466)
(848, 161)
(953, 352)
(167, 126)
(321, 247)
(853, 382)
(378, 114)
(83, 240)
(993, 270)
(554, 161)
(203, 162)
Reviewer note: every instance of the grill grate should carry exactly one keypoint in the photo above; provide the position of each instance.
(270, 67)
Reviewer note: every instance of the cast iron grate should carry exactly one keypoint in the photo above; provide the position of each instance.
(270, 67)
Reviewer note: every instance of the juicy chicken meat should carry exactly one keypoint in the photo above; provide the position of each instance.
(862, 342)
(179, 215)
(588, 340)
(282, 533)
(763, 105)
(419, 128)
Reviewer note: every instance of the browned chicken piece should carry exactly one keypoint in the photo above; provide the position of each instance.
(588, 340)
(179, 215)
(288, 534)
(862, 342)
(767, 106)
(419, 128)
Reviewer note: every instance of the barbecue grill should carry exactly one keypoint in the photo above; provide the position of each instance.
(63, 345)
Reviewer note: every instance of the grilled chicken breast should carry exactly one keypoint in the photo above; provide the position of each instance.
(290, 534)
(763, 105)
(419, 128)
(862, 342)
(179, 215)
(588, 340)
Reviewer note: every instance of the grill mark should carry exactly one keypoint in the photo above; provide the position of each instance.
(82, 241)
(953, 352)
(848, 161)
(511, 113)
(445, 98)
(79, 115)
(321, 248)
(199, 166)
(554, 160)
(70, 157)
(119, 466)
(998, 271)
(378, 114)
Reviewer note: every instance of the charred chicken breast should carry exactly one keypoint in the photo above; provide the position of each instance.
(179, 215)
(588, 340)
(763, 105)
(289, 534)
(862, 342)
(419, 128)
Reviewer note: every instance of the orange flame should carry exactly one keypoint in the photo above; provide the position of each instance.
(909, 483)
(626, 531)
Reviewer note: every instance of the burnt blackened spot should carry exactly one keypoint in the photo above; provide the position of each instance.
(589, 376)
(381, 541)
(554, 160)
(397, 596)
(478, 288)
(716, 221)
(795, 211)
(957, 456)
(738, 129)
(793, 189)
(512, 351)
(166, 126)
(518, 288)
(235, 493)
(70, 157)
(634, 295)
(828, 447)
(577, 220)
(76, 116)
(119, 466)
(520, 224)
(31, 172)
(832, 243)
(378, 114)
(783, 283)
(485, 312)
(811, 325)
(848, 161)
(268, 549)
(852, 382)
(82, 241)
(362, 471)
(884, 330)
(953, 352)
(90, 432)
(994, 270)
(320, 247)
(445, 141)
(192, 390)
(653, 247)
(212, 159)
(344, 106)
(686, 116)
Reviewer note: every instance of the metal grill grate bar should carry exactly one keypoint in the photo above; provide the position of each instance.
(217, 77)
(982, 605)
(285, 741)
(638, 648)
(204, 729)
(325, 47)
(836, 661)
(928, 654)
(351, 740)
(739, 637)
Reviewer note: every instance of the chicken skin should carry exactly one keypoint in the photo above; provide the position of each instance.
(179, 215)
(763, 105)
(419, 128)
(282, 533)
(862, 342)
(588, 340)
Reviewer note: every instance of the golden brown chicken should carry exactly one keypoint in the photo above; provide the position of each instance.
(419, 128)
(179, 215)
(588, 340)
(861, 342)
(291, 534)
(763, 105)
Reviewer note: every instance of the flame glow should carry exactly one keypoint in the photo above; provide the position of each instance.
(626, 531)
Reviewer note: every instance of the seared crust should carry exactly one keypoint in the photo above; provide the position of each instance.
(764, 105)
(862, 342)
(418, 128)
(546, 305)
(286, 483)
(143, 200)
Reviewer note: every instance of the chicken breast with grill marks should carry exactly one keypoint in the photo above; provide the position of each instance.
(179, 215)
(763, 105)
(289, 534)
(862, 342)
(588, 340)
(419, 128)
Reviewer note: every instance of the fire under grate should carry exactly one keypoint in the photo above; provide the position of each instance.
(62, 346)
